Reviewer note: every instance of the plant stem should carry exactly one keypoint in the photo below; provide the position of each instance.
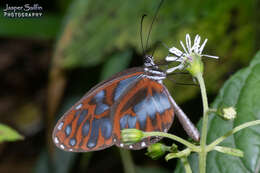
(127, 161)
(173, 137)
(186, 165)
(211, 110)
(203, 141)
(231, 132)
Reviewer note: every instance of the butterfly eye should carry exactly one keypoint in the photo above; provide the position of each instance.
(148, 61)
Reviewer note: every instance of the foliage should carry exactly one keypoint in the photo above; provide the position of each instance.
(43, 28)
(93, 30)
(242, 91)
(8, 134)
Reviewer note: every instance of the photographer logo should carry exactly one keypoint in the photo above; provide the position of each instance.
(23, 11)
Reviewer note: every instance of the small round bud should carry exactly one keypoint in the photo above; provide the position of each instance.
(131, 136)
(155, 151)
(229, 113)
(174, 148)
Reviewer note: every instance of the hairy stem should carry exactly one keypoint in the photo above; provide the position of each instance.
(231, 132)
(173, 137)
(186, 165)
(203, 141)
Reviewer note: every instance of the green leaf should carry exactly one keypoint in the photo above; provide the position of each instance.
(94, 29)
(45, 27)
(242, 91)
(116, 63)
(8, 134)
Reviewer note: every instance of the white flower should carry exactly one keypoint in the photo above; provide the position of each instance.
(189, 51)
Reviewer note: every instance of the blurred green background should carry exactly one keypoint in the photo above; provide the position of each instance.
(48, 63)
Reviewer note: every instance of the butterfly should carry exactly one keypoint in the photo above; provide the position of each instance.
(134, 98)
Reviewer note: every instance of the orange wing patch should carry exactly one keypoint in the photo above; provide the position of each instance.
(145, 106)
(88, 125)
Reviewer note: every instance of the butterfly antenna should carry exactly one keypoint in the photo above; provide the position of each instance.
(151, 26)
(156, 46)
(164, 45)
(141, 33)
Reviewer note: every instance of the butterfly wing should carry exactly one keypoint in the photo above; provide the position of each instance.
(88, 126)
(146, 106)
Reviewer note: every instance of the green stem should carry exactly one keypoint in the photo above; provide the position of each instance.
(203, 141)
(211, 110)
(127, 161)
(173, 137)
(231, 132)
(231, 151)
(179, 154)
(186, 165)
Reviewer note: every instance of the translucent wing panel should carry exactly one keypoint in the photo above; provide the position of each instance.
(145, 106)
(88, 125)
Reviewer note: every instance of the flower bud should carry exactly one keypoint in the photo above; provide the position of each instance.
(195, 65)
(228, 113)
(155, 151)
(190, 57)
(131, 136)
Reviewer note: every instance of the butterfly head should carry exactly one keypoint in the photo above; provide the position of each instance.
(148, 61)
(152, 71)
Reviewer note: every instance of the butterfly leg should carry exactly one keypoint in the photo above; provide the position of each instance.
(186, 123)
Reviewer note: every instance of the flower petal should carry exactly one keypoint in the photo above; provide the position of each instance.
(197, 40)
(176, 51)
(196, 45)
(189, 50)
(173, 58)
(179, 67)
(182, 45)
(202, 46)
(188, 43)
(210, 56)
